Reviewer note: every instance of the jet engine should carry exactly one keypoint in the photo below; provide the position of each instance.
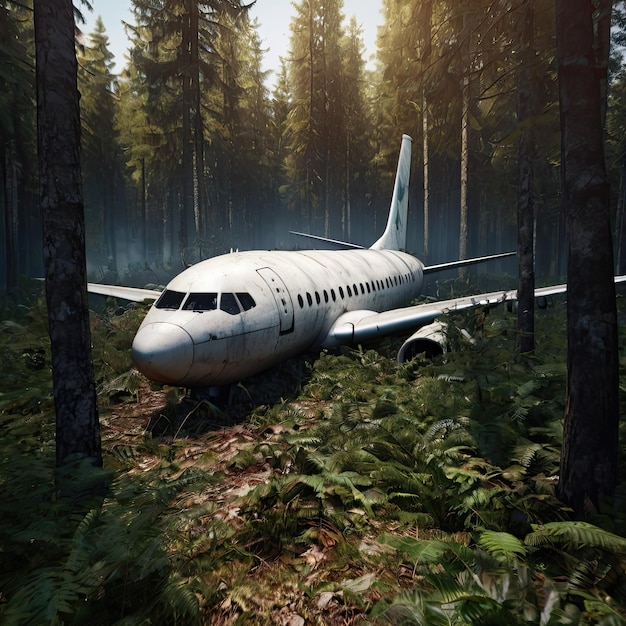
(431, 340)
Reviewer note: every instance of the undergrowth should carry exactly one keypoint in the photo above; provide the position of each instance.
(370, 493)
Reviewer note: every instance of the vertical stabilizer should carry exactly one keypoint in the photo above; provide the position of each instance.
(394, 237)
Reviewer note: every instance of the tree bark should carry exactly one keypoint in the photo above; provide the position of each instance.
(11, 214)
(58, 126)
(590, 437)
(426, 176)
(187, 216)
(464, 174)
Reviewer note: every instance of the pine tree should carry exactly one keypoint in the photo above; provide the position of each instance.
(590, 438)
(358, 149)
(58, 126)
(17, 140)
(101, 153)
(316, 129)
(176, 64)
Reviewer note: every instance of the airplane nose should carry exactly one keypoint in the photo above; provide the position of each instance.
(163, 352)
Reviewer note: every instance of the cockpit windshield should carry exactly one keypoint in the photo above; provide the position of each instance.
(246, 300)
(170, 300)
(231, 303)
(201, 302)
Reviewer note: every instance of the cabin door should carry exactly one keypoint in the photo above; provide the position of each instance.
(282, 298)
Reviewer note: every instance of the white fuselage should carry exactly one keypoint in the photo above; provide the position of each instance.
(238, 314)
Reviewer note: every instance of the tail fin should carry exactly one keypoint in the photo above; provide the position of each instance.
(394, 237)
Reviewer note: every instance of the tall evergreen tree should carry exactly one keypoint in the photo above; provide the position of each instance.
(254, 197)
(316, 129)
(17, 137)
(590, 438)
(448, 73)
(101, 155)
(58, 126)
(527, 99)
(175, 63)
(358, 148)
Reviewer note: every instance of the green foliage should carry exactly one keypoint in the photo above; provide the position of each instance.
(111, 560)
(26, 399)
(25, 352)
(574, 536)
(112, 334)
(495, 578)
(395, 494)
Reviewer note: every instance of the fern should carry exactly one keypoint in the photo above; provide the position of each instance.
(126, 383)
(181, 600)
(502, 545)
(575, 536)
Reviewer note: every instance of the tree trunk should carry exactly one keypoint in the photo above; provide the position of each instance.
(187, 217)
(525, 202)
(464, 172)
(621, 221)
(346, 230)
(426, 176)
(58, 126)
(11, 215)
(590, 437)
(199, 194)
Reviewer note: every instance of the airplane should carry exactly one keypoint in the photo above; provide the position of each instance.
(229, 317)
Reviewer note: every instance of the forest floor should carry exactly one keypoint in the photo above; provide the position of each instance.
(334, 490)
(276, 597)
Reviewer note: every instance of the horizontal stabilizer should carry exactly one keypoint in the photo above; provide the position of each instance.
(334, 242)
(464, 262)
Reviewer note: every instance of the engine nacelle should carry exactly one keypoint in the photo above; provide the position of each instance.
(431, 340)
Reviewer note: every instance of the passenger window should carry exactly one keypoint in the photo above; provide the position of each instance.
(300, 301)
(170, 300)
(317, 297)
(246, 301)
(229, 304)
(325, 295)
(309, 299)
(201, 302)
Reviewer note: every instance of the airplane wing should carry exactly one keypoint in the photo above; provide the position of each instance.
(124, 293)
(371, 325)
